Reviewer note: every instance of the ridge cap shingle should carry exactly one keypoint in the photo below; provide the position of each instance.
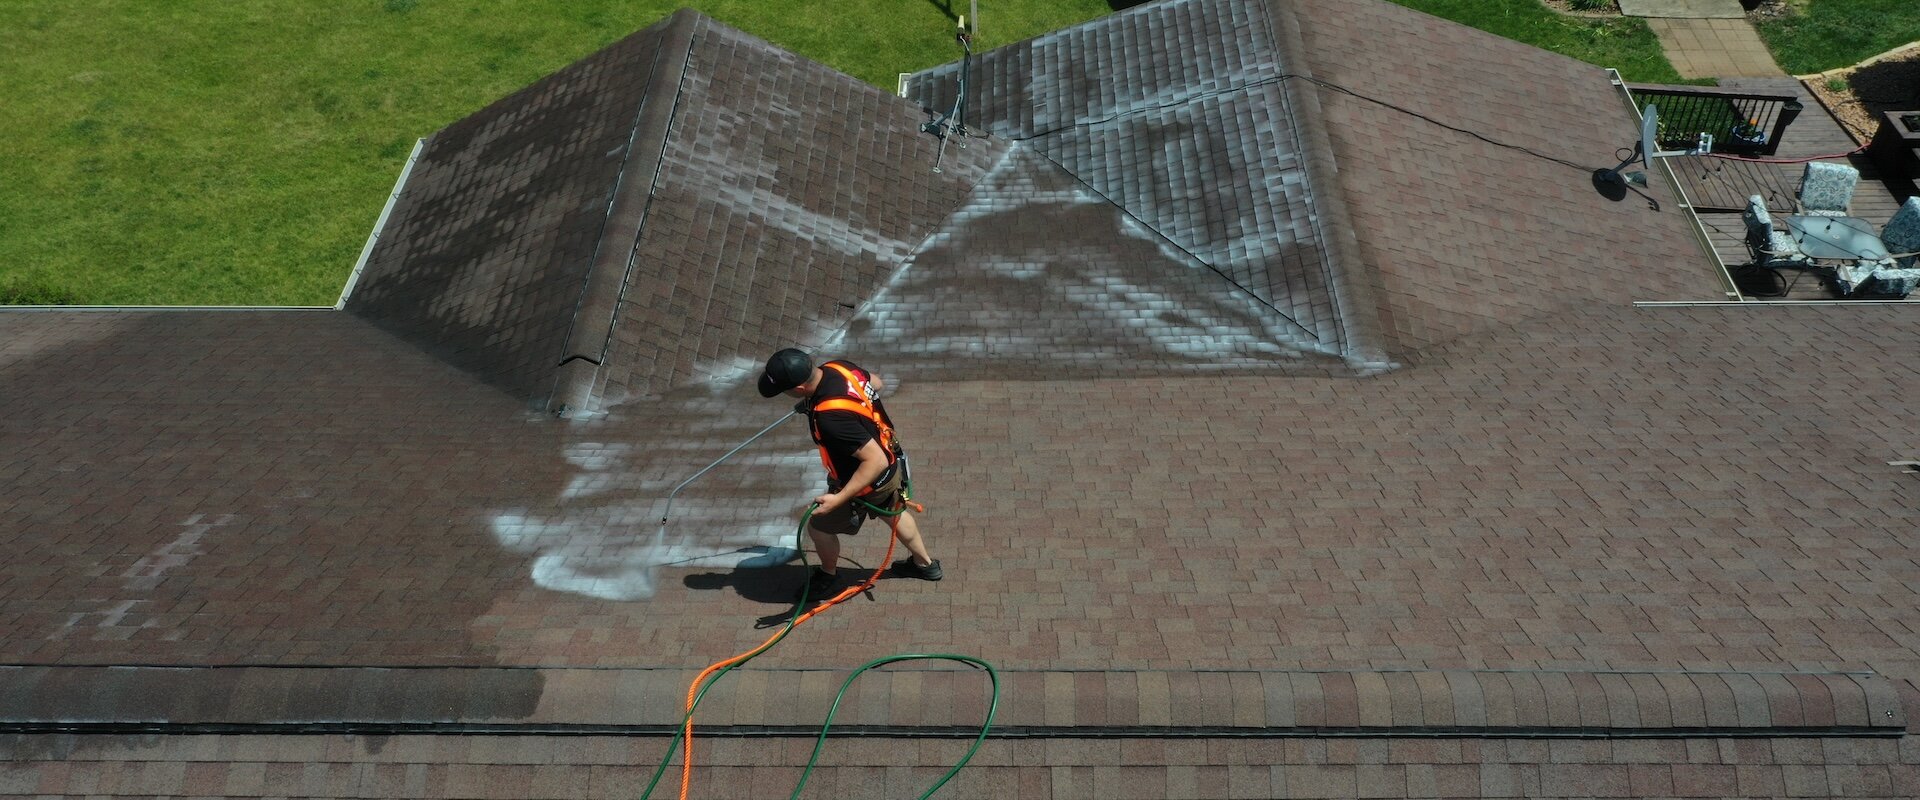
(590, 333)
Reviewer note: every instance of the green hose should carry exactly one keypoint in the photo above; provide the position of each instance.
(992, 706)
(799, 609)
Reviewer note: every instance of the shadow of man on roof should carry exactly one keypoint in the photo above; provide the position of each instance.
(776, 585)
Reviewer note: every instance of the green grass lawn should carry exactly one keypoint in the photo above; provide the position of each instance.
(1827, 34)
(1625, 44)
(221, 152)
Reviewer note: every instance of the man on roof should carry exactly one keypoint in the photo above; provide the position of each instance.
(866, 468)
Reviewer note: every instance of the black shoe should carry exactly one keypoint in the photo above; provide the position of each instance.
(819, 586)
(905, 568)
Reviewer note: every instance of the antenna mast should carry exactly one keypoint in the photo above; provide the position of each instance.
(953, 123)
(1645, 151)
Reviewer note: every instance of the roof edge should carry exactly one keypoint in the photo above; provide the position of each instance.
(1648, 702)
(1355, 306)
(594, 316)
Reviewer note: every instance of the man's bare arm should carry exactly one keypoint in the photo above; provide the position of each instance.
(873, 461)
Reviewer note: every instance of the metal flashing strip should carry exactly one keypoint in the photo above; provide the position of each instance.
(379, 225)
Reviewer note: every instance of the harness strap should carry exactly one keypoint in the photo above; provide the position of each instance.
(859, 403)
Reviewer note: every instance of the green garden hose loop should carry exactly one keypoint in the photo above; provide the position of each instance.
(906, 499)
(993, 705)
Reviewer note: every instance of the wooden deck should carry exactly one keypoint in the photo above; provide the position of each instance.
(1718, 187)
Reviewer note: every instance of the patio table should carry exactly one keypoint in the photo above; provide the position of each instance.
(1841, 238)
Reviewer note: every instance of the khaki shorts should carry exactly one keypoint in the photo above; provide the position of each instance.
(846, 520)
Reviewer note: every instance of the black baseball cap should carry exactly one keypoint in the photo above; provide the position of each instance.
(785, 370)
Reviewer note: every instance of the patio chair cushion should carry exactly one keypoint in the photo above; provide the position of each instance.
(1853, 276)
(1757, 216)
(1770, 246)
(1827, 187)
(1782, 248)
(1895, 282)
(1902, 233)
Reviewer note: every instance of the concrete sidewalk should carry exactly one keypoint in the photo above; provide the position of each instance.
(1706, 38)
(1714, 48)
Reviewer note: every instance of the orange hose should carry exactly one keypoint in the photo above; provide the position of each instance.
(686, 762)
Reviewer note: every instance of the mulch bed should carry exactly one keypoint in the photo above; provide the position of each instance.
(1858, 94)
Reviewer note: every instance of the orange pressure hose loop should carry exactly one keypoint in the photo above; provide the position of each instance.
(693, 691)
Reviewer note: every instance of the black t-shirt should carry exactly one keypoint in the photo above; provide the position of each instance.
(843, 433)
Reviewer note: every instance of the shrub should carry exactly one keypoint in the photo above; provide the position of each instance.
(1592, 5)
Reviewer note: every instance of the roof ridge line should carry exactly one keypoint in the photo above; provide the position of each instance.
(1357, 312)
(597, 311)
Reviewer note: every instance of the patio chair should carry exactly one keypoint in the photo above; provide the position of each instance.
(1826, 190)
(1898, 275)
(1902, 234)
(1770, 248)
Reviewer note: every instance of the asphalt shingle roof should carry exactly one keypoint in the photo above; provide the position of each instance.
(641, 217)
(1463, 236)
(1039, 277)
(1193, 136)
(787, 195)
(1657, 530)
(485, 255)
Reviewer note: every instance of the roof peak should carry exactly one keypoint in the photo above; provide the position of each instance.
(1204, 139)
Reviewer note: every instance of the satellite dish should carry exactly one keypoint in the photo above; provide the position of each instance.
(1614, 185)
(1649, 128)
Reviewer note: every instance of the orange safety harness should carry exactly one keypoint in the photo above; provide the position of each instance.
(859, 401)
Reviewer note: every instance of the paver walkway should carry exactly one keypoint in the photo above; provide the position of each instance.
(1706, 38)
(1714, 48)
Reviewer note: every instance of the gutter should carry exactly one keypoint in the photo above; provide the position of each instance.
(379, 225)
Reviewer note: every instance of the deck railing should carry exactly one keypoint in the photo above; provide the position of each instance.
(1741, 123)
